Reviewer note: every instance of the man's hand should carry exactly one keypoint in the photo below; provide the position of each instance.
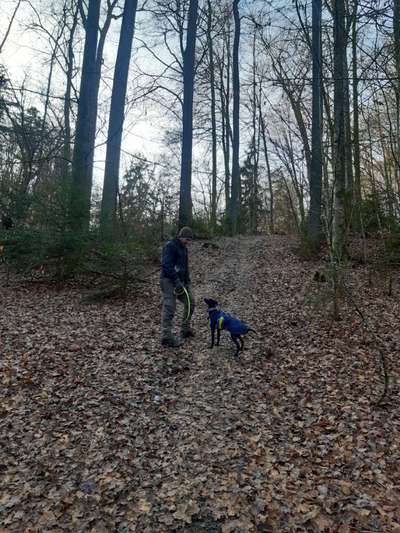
(179, 288)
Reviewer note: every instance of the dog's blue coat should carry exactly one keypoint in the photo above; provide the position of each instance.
(228, 322)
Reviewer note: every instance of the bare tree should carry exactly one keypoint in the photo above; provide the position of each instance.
(339, 163)
(117, 114)
(269, 174)
(69, 74)
(396, 37)
(185, 204)
(224, 82)
(213, 217)
(314, 220)
(356, 119)
(63, 41)
(82, 163)
(234, 201)
(85, 132)
(8, 29)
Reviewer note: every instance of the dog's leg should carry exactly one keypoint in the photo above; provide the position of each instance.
(218, 336)
(241, 342)
(212, 326)
(235, 340)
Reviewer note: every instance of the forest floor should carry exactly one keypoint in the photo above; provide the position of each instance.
(103, 430)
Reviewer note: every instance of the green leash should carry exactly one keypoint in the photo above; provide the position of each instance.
(188, 302)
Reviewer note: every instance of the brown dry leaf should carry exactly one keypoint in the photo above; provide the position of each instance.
(346, 487)
(144, 505)
(186, 510)
(323, 522)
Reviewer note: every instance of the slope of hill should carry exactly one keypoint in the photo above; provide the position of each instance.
(104, 430)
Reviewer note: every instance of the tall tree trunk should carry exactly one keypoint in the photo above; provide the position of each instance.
(225, 118)
(356, 121)
(396, 36)
(255, 152)
(339, 149)
(66, 162)
(269, 176)
(82, 162)
(314, 220)
(117, 115)
(348, 141)
(234, 203)
(213, 119)
(226, 152)
(185, 202)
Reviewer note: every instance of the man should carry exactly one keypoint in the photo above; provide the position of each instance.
(175, 284)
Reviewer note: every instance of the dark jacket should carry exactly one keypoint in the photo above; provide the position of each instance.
(225, 321)
(175, 263)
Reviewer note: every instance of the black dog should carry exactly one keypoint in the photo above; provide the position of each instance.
(220, 320)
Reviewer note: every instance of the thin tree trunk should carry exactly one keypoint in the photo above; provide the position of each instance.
(270, 188)
(117, 115)
(225, 116)
(66, 162)
(396, 36)
(213, 120)
(356, 122)
(314, 221)
(348, 141)
(339, 163)
(255, 146)
(7, 32)
(228, 131)
(234, 204)
(185, 203)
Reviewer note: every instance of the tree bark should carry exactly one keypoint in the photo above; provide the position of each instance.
(339, 151)
(117, 115)
(356, 122)
(226, 133)
(270, 188)
(66, 162)
(396, 37)
(82, 163)
(314, 220)
(348, 142)
(234, 203)
(185, 203)
(253, 205)
(213, 119)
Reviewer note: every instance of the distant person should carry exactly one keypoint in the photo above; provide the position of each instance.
(175, 285)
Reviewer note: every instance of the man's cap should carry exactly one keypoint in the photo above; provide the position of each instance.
(185, 233)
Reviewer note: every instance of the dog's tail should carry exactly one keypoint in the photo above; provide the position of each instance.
(253, 331)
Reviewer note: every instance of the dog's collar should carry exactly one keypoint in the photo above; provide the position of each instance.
(213, 309)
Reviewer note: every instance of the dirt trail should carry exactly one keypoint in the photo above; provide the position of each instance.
(103, 430)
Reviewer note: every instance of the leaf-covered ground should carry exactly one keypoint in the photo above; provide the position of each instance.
(103, 430)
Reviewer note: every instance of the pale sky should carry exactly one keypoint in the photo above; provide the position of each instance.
(26, 58)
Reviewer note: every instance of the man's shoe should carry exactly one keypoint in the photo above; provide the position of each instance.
(171, 342)
(186, 333)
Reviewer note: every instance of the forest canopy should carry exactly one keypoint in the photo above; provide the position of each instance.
(236, 117)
